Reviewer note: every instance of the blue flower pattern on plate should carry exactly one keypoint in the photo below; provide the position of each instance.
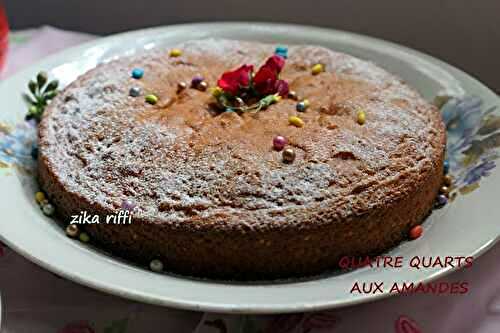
(473, 139)
(16, 145)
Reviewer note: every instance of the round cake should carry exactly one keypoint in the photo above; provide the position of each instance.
(343, 162)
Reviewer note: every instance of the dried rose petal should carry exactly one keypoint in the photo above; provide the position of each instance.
(282, 88)
(275, 63)
(265, 81)
(233, 81)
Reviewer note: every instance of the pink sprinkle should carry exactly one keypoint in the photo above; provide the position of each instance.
(279, 142)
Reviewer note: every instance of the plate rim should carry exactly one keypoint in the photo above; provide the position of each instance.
(231, 308)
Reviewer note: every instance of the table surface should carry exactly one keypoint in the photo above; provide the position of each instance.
(35, 300)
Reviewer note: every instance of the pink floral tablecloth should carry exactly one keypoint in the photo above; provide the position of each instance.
(37, 301)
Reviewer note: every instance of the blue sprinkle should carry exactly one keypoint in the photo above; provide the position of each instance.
(446, 166)
(301, 107)
(229, 110)
(137, 73)
(282, 51)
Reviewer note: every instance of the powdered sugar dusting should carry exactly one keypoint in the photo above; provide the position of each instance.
(176, 160)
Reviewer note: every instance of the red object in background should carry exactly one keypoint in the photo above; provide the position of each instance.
(4, 35)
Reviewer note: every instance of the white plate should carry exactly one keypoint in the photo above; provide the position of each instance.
(466, 227)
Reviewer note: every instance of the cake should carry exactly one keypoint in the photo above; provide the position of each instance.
(212, 195)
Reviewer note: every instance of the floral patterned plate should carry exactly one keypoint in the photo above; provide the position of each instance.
(466, 227)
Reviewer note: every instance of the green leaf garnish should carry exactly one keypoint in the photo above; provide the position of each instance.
(41, 94)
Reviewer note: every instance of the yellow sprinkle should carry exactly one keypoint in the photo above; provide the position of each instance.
(216, 91)
(318, 68)
(39, 197)
(296, 121)
(306, 103)
(276, 98)
(361, 117)
(175, 53)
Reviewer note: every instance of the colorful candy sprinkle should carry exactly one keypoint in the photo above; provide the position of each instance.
(288, 155)
(216, 91)
(48, 209)
(39, 197)
(137, 73)
(416, 232)
(202, 86)
(318, 68)
(446, 166)
(72, 230)
(447, 180)
(279, 142)
(282, 51)
(84, 237)
(175, 53)
(151, 99)
(296, 121)
(134, 91)
(442, 200)
(445, 190)
(181, 86)
(156, 265)
(292, 95)
(128, 205)
(361, 117)
(195, 81)
(302, 105)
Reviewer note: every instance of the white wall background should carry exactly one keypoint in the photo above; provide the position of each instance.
(465, 33)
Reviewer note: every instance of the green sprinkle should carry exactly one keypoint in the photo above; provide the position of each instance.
(84, 237)
(151, 99)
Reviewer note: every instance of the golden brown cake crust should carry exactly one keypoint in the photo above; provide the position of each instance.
(213, 198)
